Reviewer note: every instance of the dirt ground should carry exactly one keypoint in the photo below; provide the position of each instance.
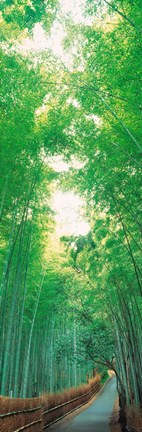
(114, 425)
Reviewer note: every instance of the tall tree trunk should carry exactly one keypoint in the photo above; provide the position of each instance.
(26, 372)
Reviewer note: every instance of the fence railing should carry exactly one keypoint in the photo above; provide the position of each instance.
(28, 425)
(59, 407)
(12, 421)
(22, 419)
(20, 411)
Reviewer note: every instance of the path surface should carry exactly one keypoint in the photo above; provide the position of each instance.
(96, 417)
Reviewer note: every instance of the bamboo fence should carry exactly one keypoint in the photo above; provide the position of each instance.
(36, 417)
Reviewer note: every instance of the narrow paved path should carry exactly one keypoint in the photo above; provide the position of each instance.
(96, 417)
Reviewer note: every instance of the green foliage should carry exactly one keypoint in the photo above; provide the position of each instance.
(68, 301)
(26, 14)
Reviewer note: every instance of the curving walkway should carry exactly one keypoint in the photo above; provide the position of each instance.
(96, 417)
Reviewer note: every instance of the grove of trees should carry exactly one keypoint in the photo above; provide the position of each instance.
(71, 303)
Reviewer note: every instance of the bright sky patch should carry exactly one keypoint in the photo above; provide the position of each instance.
(69, 214)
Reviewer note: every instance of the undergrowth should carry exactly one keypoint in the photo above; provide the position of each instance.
(134, 419)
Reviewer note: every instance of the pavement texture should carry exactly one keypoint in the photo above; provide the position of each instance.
(96, 417)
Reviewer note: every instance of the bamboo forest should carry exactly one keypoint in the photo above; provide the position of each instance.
(70, 200)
